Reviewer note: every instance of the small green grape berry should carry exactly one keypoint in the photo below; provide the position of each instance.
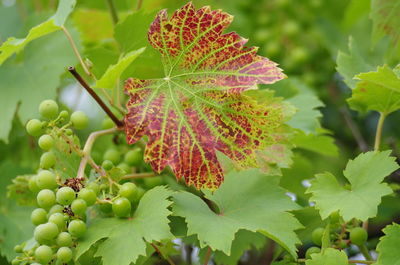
(77, 228)
(38, 216)
(317, 236)
(125, 167)
(47, 160)
(128, 190)
(134, 157)
(88, 195)
(47, 231)
(43, 254)
(32, 184)
(112, 155)
(46, 198)
(69, 132)
(64, 239)
(18, 249)
(65, 195)
(46, 180)
(64, 254)
(48, 109)
(358, 236)
(107, 123)
(121, 207)
(79, 120)
(15, 262)
(153, 182)
(56, 209)
(34, 127)
(78, 207)
(103, 186)
(58, 219)
(64, 115)
(312, 250)
(107, 165)
(139, 194)
(93, 186)
(106, 207)
(46, 142)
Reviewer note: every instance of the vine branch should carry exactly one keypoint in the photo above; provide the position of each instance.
(208, 255)
(110, 114)
(379, 128)
(113, 11)
(168, 259)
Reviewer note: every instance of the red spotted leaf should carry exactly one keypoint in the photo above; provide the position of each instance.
(201, 105)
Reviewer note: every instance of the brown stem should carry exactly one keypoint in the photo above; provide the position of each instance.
(140, 175)
(113, 11)
(168, 259)
(139, 5)
(78, 77)
(208, 255)
(362, 144)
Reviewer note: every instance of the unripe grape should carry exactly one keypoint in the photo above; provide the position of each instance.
(94, 186)
(64, 239)
(65, 195)
(64, 254)
(358, 236)
(56, 209)
(79, 120)
(128, 190)
(47, 160)
(15, 262)
(79, 206)
(46, 142)
(34, 127)
(139, 194)
(32, 184)
(107, 123)
(134, 157)
(317, 236)
(18, 249)
(125, 167)
(48, 109)
(64, 114)
(38, 216)
(112, 155)
(77, 228)
(106, 207)
(121, 207)
(46, 180)
(153, 182)
(58, 219)
(69, 132)
(107, 165)
(47, 231)
(43, 254)
(88, 195)
(46, 198)
(312, 250)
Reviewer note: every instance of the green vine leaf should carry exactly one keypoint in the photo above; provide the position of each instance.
(385, 17)
(388, 246)
(365, 174)
(200, 107)
(128, 237)
(379, 91)
(329, 256)
(13, 45)
(247, 200)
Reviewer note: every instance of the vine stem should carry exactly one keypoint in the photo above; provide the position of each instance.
(208, 255)
(365, 252)
(168, 259)
(113, 11)
(110, 114)
(88, 147)
(140, 175)
(350, 261)
(379, 128)
(139, 5)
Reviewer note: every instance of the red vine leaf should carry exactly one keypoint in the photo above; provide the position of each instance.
(200, 106)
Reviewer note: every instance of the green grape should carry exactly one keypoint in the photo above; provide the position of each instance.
(78, 207)
(107, 165)
(88, 195)
(317, 236)
(121, 207)
(58, 219)
(48, 109)
(153, 182)
(125, 167)
(46, 180)
(56, 209)
(358, 236)
(64, 115)
(47, 231)
(46, 142)
(64, 239)
(65, 195)
(15, 262)
(46, 198)
(18, 249)
(103, 186)
(77, 228)
(134, 157)
(34, 127)
(112, 155)
(69, 132)
(32, 184)
(139, 194)
(64, 254)
(335, 217)
(107, 123)
(79, 120)
(47, 160)
(94, 186)
(43, 254)
(312, 250)
(128, 190)
(38, 216)
(106, 207)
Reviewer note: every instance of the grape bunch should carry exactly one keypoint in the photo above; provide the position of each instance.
(64, 203)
